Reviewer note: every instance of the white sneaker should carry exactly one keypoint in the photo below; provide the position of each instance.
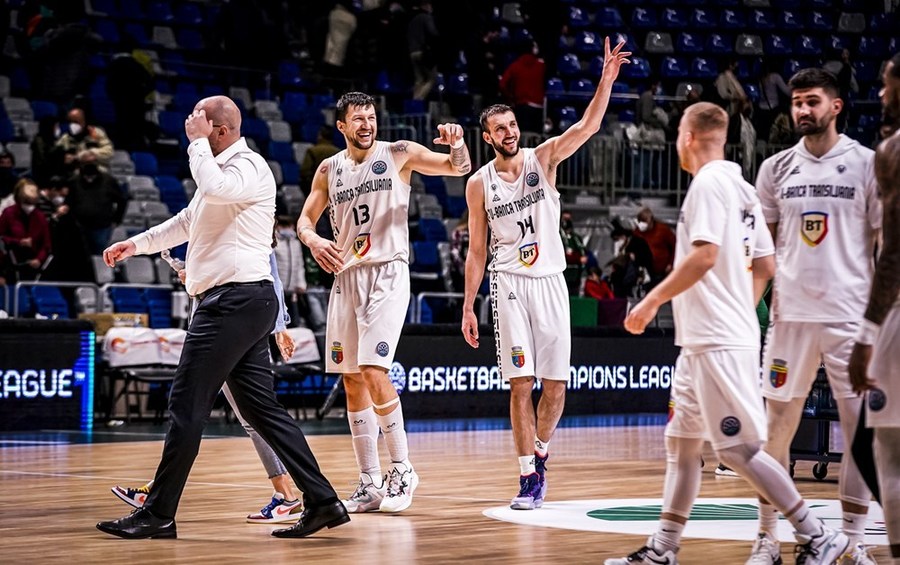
(724, 471)
(766, 551)
(277, 511)
(647, 555)
(858, 556)
(367, 497)
(823, 549)
(402, 481)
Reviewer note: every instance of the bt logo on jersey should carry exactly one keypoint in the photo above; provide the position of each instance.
(361, 245)
(528, 254)
(813, 227)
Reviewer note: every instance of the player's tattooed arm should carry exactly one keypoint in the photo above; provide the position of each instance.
(459, 158)
(886, 285)
(400, 147)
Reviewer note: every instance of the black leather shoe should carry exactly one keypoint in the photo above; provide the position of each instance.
(314, 519)
(140, 524)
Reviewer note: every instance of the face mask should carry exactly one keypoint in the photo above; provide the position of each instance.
(57, 200)
(618, 245)
(75, 129)
(643, 226)
(27, 208)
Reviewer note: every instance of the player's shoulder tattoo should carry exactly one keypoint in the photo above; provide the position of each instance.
(323, 168)
(400, 147)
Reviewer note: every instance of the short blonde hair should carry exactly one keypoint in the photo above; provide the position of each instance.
(705, 117)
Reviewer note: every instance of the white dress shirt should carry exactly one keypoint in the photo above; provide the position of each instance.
(228, 224)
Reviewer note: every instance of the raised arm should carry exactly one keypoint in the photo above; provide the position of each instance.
(556, 149)
(411, 156)
(476, 257)
(326, 253)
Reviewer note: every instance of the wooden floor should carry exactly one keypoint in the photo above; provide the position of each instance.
(51, 497)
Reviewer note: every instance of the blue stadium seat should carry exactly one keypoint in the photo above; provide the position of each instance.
(791, 66)
(108, 7)
(188, 14)
(189, 39)
(569, 65)
(108, 31)
(171, 124)
(583, 85)
(790, 20)
(290, 171)
(835, 43)
(145, 163)
(702, 19)
(732, 19)
(595, 67)
(160, 11)
(819, 21)
(7, 130)
(26, 305)
(426, 258)
(456, 206)
(638, 69)
(630, 45)
(807, 45)
(458, 84)
(41, 109)
(432, 229)
(673, 18)
(718, 44)
(588, 42)
(567, 117)
(577, 17)
(257, 130)
(281, 151)
(171, 192)
(131, 9)
(824, 4)
(856, 5)
(892, 45)
(138, 33)
(126, 299)
(673, 67)
(873, 46)
(702, 67)
(609, 18)
(867, 71)
(627, 116)
(761, 20)
(883, 22)
(642, 18)
(554, 88)
(752, 91)
(688, 43)
(49, 302)
(777, 45)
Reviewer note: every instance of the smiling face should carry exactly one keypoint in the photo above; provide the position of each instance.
(502, 133)
(359, 126)
(814, 110)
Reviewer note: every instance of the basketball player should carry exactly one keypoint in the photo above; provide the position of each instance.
(881, 324)
(723, 261)
(367, 189)
(821, 204)
(515, 195)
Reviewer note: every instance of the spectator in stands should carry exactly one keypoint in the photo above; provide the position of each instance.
(82, 137)
(746, 136)
(128, 84)
(422, 38)
(729, 88)
(25, 233)
(661, 240)
(631, 263)
(595, 287)
(292, 269)
(45, 161)
(840, 66)
(97, 203)
(576, 253)
(651, 122)
(459, 248)
(70, 261)
(522, 84)
(341, 27)
(323, 149)
(692, 95)
(773, 100)
(8, 176)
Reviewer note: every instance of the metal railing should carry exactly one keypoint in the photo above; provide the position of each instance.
(105, 289)
(23, 284)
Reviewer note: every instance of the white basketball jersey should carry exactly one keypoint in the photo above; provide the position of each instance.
(524, 221)
(827, 210)
(718, 311)
(369, 207)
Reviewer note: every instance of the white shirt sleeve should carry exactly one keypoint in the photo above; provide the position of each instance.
(707, 214)
(238, 181)
(765, 189)
(171, 233)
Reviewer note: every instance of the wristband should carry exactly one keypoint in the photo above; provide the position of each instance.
(867, 332)
(459, 143)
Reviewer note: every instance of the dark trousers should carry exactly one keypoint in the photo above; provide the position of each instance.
(228, 339)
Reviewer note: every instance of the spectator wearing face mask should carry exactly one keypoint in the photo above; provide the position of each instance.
(25, 233)
(96, 202)
(660, 239)
(82, 138)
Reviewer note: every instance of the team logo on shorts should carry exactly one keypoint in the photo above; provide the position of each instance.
(382, 349)
(730, 426)
(528, 254)
(778, 373)
(361, 245)
(532, 179)
(877, 399)
(813, 227)
(379, 167)
(518, 357)
(337, 352)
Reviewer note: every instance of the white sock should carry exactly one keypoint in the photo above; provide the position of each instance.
(526, 465)
(668, 536)
(804, 522)
(364, 429)
(855, 527)
(395, 435)
(768, 520)
(541, 447)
